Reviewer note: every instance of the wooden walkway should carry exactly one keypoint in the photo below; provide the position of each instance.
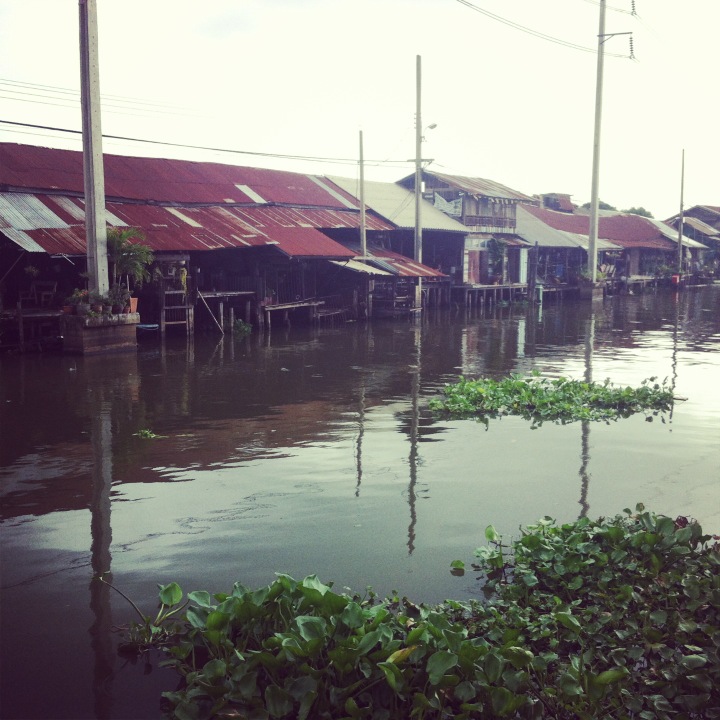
(482, 295)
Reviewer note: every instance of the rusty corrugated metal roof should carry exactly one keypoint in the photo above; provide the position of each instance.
(179, 205)
(624, 229)
(166, 180)
(55, 224)
(395, 263)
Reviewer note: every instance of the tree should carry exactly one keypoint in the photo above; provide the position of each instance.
(601, 206)
(128, 255)
(639, 211)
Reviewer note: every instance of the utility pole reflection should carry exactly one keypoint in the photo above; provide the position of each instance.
(101, 533)
(414, 436)
(585, 424)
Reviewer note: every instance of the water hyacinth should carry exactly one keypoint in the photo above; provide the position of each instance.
(558, 400)
(615, 618)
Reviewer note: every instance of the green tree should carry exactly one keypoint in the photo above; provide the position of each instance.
(639, 211)
(128, 255)
(601, 205)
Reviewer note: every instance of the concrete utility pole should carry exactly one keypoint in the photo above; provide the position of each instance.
(680, 217)
(94, 178)
(363, 225)
(418, 178)
(594, 195)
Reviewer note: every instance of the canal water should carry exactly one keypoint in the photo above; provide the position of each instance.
(312, 450)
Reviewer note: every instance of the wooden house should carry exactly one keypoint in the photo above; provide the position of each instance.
(493, 253)
(251, 239)
(629, 245)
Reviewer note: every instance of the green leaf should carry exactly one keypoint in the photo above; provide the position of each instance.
(277, 701)
(311, 627)
(201, 598)
(576, 583)
(502, 700)
(569, 685)
(465, 691)
(214, 669)
(217, 620)
(491, 534)
(196, 618)
(519, 657)
(566, 619)
(170, 594)
(611, 676)
(439, 663)
(368, 642)
(353, 616)
(393, 675)
(400, 656)
(659, 617)
(692, 662)
(493, 667)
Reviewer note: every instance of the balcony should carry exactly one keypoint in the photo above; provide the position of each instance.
(489, 223)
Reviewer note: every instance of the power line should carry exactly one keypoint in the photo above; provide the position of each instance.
(339, 161)
(60, 97)
(616, 9)
(76, 94)
(535, 33)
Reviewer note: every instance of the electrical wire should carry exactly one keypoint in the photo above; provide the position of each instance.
(615, 9)
(535, 33)
(75, 93)
(309, 158)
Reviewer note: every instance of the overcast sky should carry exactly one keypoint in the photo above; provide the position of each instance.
(303, 77)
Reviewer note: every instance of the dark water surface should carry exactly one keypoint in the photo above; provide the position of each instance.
(312, 451)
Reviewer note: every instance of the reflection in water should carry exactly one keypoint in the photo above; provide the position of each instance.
(585, 425)
(414, 432)
(281, 456)
(584, 475)
(674, 363)
(361, 433)
(101, 532)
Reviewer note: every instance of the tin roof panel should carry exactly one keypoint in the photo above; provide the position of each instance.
(162, 179)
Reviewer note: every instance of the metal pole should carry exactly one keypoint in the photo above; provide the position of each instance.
(418, 179)
(94, 179)
(593, 234)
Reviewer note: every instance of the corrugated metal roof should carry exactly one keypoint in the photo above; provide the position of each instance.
(181, 181)
(533, 229)
(700, 226)
(397, 204)
(395, 263)
(359, 266)
(479, 187)
(23, 211)
(624, 229)
(293, 231)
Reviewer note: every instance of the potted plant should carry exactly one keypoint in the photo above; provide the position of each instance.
(97, 300)
(118, 297)
(80, 300)
(129, 257)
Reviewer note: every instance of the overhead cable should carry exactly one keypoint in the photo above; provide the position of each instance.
(340, 161)
(535, 33)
